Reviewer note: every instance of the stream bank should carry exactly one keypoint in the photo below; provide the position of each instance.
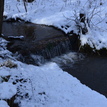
(91, 71)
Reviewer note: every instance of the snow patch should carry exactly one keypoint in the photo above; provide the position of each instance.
(3, 103)
(7, 90)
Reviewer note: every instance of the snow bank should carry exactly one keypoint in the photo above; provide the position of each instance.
(7, 90)
(49, 86)
(3, 104)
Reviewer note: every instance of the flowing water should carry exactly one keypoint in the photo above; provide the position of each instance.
(90, 70)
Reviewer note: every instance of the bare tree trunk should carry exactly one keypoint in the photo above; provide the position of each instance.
(1, 14)
(25, 5)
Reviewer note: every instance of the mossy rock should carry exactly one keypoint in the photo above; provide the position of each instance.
(92, 51)
(102, 52)
(86, 49)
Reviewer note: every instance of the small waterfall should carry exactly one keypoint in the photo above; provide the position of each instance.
(50, 51)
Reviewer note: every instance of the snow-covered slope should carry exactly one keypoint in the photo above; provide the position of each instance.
(48, 86)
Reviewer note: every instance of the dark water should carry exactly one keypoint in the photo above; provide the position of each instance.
(92, 71)
(29, 30)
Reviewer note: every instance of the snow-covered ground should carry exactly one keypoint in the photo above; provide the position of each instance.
(48, 85)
